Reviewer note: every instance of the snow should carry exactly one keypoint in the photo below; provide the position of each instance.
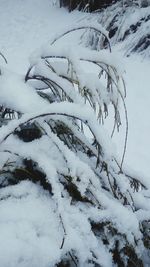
(22, 97)
(139, 110)
(25, 239)
(79, 235)
(24, 31)
(129, 27)
(25, 27)
(137, 80)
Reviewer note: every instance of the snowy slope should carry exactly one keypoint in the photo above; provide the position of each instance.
(26, 26)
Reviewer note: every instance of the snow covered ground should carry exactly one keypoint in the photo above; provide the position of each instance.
(26, 26)
(138, 105)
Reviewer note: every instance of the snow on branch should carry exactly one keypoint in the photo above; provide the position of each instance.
(57, 154)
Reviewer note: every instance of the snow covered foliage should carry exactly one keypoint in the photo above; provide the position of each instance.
(64, 196)
(86, 5)
(128, 23)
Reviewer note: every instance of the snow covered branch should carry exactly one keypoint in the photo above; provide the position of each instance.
(56, 155)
